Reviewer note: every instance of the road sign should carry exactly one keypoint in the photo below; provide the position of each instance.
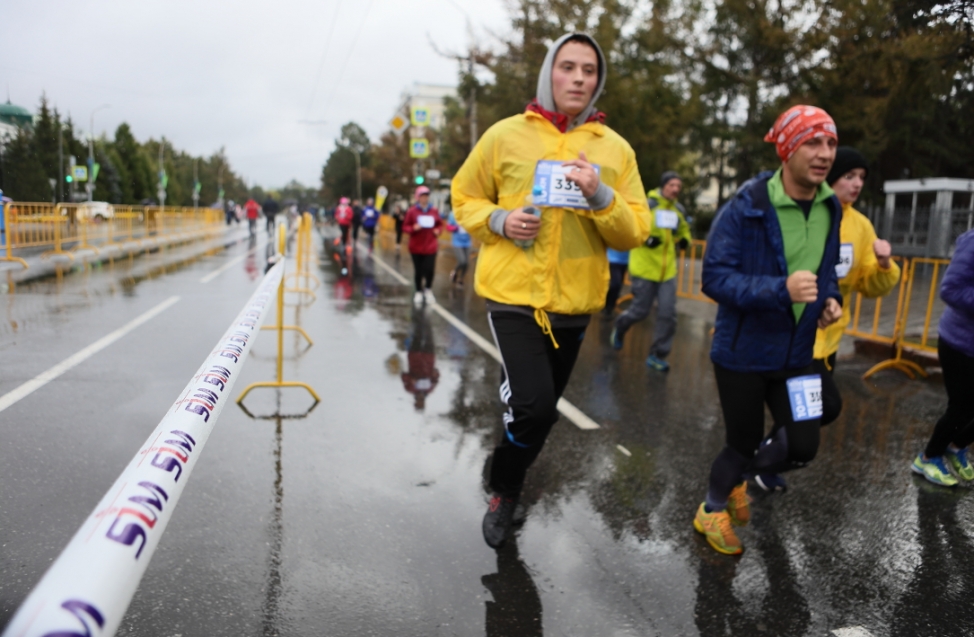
(419, 148)
(80, 173)
(398, 123)
(420, 116)
(432, 174)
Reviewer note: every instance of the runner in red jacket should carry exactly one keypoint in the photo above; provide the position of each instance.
(253, 210)
(343, 216)
(424, 225)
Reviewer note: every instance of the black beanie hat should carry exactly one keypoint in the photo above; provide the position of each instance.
(846, 158)
(669, 175)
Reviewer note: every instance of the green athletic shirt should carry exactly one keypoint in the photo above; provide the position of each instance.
(804, 239)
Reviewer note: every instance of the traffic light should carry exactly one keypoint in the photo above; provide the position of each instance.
(419, 180)
(68, 178)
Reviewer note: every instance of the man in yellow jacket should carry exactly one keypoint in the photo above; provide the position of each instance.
(542, 267)
(864, 266)
(652, 272)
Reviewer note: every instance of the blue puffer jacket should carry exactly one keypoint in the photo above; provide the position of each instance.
(957, 291)
(744, 270)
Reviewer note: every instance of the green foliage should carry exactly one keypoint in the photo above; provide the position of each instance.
(129, 169)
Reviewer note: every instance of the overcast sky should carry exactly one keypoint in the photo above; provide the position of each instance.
(240, 74)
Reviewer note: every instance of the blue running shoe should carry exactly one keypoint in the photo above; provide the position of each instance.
(935, 470)
(959, 462)
(770, 482)
(614, 339)
(657, 363)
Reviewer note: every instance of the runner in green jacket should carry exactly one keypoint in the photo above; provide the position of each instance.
(652, 271)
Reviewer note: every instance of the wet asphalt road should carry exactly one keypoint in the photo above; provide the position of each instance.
(363, 517)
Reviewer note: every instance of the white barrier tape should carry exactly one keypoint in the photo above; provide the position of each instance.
(88, 588)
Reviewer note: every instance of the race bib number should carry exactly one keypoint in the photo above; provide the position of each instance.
(805, 395)
(666, 219)
(424, 384)
(556, 189)
(426, 221)
(845, 260)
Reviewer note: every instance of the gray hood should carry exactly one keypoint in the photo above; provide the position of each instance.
(546, 97)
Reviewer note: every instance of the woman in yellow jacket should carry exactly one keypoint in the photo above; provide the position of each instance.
(864, 266)
(542, 268)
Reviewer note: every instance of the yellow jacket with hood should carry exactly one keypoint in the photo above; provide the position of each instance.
(864, 275)
(565, 271)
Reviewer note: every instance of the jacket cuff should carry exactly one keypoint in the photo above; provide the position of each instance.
(784, 296)
(602, 198)
(496, 222)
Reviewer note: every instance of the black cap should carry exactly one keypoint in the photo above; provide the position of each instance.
(846, 159)
(669, 175)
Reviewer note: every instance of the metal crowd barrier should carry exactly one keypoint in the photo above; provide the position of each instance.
(89, 587)
(66, 229)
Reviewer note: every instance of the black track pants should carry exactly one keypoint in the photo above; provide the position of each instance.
(424, 266)
(956, 426)
(534, 377)
(742, 399)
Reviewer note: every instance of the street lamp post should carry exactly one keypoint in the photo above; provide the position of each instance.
(91, 153)
(347, 144)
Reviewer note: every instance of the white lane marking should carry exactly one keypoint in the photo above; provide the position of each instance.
(226, 266)
(568, 410)
(624, 451)
(13, 396)
(852, 631)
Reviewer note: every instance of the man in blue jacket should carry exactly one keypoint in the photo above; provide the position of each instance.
(770, 265)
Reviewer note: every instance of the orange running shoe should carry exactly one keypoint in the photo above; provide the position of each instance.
(718, 530)
(739, 505)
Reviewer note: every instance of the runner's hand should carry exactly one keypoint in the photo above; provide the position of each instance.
(521, 225)
(584, 175)
(883, 252)
(802, 287)
(831, 313)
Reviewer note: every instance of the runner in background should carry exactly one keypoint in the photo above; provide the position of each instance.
(864, 266)
(271, 208)
(423, 224)
(652, 272)
(356, 218)
(461, 248)
(618, 264)
(253, 210)
(542, 267)
(398, 214)
(954, 433)
(770, 265)
(370, 219)
(343, 217)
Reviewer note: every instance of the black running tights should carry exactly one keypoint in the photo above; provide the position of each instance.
(424, 266)
(956, 426)
(742, 399)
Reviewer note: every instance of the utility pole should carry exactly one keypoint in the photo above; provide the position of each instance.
(162, 175)
(91, 153)
(196, 185)
(60, 154)
(472, 110)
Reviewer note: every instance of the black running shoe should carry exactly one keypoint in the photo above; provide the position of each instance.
(498, 519)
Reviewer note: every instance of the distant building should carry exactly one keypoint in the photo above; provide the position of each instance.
(13, 117)
(430, 96)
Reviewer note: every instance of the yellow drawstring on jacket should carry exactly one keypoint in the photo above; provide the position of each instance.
(541, 318)
(826, 361)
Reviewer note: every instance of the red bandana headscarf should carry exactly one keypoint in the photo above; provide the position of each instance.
(796, 126)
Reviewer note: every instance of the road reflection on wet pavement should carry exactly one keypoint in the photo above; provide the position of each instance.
(363, 516)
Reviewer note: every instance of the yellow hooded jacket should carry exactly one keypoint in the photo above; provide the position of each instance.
(565, 271)
(864, 276)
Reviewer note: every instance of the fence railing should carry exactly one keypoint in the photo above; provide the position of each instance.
(63, 230)
(89, 586)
